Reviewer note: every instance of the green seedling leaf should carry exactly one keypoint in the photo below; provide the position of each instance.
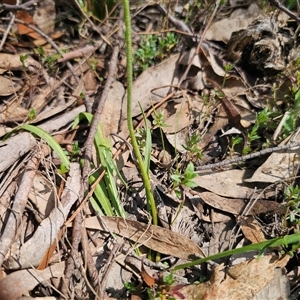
(32, 114)
(45, 136)
(106, 192)
(176, 178)
(23, 58)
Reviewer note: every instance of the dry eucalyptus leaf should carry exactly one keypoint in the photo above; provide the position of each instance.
(112, 111)
(240, 18)
(227, 183)
(154, 237)
(90, 81)
(39, 101)
(42, 194)
(279, 166)
(154, 84)
(242, 282)
(213, 216)
(14, 111)
(12, 62)
(183, 112)
(21, 282)
(180, 119)
(278, 288)
(8, 86)
(178, 139)
(251, 230)
(237, 206)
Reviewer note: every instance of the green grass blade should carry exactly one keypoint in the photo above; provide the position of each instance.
(276, 242)
(109, 195)
(45, 136)
(102, 200)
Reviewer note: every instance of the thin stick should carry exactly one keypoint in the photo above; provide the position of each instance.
(248, 156)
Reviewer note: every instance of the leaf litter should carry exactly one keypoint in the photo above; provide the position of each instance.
(245, 62)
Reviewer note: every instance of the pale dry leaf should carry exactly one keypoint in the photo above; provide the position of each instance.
(240, 18)
(46, 114)
(42, 194)
(12, 62)
(44, 16)
(277, 289)
(183, 112)
(62, 120)
(21, 282)
(90, 81)
(221, 238)
(15, 147)
(13, 111)
(236, 206)
(229, 183)
(112, 112)
(180, 119)
(188, 57)
(178, 139)
(154, 84)
(156, 238)
(39, 101)
(8, 86)
(251, 229)
(242, 282)
(213, 216)
(279, 166)
(29, 254)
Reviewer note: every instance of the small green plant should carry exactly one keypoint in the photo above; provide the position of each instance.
(261, 121)
(23, 59)
(192, 146)
(160, 122)
(152, 50)
(292, 198)
(62, 169)
(292, 114)
(236, 140)
(166, 44)
(48, 60)
(130, 287)
(75, 151)
(105, 199)
(32, 114)
(227, 69)
(185, 179)
(144, 57)
(168, 279)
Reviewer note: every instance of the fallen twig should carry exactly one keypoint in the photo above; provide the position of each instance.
(248, 156)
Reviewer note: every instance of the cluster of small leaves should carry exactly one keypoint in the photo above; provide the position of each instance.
(185, 179)
(261, 121)
(153, 49)
(292, 197)
(49, 61)
(192, 146)
(292, 120)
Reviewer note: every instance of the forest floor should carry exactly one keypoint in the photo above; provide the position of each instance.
(203, 202)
